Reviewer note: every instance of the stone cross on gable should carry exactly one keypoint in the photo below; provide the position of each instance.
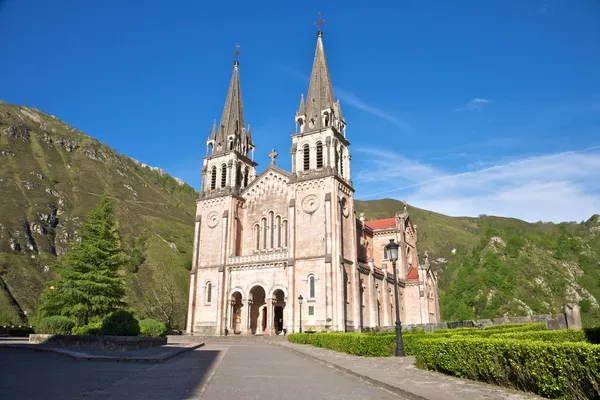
(272, 156)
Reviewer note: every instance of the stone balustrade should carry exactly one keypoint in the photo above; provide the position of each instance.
(260, 257)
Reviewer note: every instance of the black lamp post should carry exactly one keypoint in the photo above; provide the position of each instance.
(392, 249)
(300, 299)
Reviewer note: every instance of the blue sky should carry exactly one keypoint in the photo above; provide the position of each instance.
(462, 107)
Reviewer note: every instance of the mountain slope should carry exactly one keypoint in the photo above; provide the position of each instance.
(51, 175)
(493, 266)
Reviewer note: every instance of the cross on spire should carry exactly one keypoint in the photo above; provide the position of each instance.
(236, 53)
(319, 23)
(272, 156)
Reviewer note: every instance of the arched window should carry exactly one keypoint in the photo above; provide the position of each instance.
(210, 149)
(264, 230)
(223, 175)
(257, 236)
(319, 155)
(278, 222)
(342, 162)
(230, 144)
(285, 233)
(238, 175)
(246, 173)
(337, 161)
(306, 157)
(208, 292)
(385, 253)
(311, 286)
(213, 178)
(272, 228)
(326, 119)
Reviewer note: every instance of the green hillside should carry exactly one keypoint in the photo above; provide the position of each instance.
(51, 175)
(493, 266)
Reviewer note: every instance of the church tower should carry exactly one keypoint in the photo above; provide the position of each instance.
(227, 169)
(324, 199)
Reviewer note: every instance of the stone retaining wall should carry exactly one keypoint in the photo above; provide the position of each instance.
(553, 322)
(116, 343)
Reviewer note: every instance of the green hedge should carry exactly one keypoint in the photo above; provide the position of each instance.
(152, 327)
(552, 370)
(559, 336)
(93, 328)
(537, 326)
(360, 344)
(120, 323)
(56, 325)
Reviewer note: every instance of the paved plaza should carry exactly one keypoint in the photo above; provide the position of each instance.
(217, 371)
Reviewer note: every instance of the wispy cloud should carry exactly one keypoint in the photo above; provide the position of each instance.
(551, 187)
(354, 101)
(475, 104)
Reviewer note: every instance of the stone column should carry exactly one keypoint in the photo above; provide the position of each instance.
(259, 321)
(193, 276)
(246, 306)
(573, 316)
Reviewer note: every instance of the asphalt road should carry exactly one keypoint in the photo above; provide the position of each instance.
(215, 372)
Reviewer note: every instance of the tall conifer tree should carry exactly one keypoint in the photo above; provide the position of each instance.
(89, 284)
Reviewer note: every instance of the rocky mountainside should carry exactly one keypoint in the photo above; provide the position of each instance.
(492, 266)
(51, 175)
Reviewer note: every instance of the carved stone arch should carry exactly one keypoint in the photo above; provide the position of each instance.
(237, 289)
(249, 288)
(275, 288)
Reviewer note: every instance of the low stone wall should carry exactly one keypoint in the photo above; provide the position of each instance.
(553, 322)
(115, 343)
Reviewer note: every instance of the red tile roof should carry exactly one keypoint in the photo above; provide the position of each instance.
(413, 274)
(386, 223)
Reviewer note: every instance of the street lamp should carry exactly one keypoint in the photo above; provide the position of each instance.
(392, 250)
(300, 299)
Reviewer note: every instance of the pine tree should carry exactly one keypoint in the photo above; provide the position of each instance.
(89, 284)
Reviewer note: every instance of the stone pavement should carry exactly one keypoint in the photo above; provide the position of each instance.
(399, 375)
(218, 371)
(158, 354)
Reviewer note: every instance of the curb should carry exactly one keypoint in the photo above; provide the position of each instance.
(87, 357)
(387, 386)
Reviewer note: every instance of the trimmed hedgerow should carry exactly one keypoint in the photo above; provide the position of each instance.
(152, 327)
(537, 326)
(552, 370)
(455, 331)
(559, 336)
(55, 325)
(360, 344)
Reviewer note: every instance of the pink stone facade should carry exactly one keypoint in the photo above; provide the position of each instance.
(263, 240)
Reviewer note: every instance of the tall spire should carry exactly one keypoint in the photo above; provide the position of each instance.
(232, 119)
(320, 90)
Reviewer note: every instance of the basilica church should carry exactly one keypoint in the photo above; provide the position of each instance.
(264, 241)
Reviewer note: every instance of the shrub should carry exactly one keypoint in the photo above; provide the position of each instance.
(360, 344)
(455, 331)
(152, 327)
(537, 326)
(56, 325)
(570, 370)
(93, 328)
(592, 335)
(559, 336)
(120, 323)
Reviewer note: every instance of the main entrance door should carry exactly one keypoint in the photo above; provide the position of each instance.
(278, 319)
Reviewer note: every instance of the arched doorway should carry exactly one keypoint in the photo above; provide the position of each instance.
(236, 313)
(278, 311)
(258, 310)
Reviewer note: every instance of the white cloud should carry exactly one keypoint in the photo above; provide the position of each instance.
(475, 104)
(555, 187)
